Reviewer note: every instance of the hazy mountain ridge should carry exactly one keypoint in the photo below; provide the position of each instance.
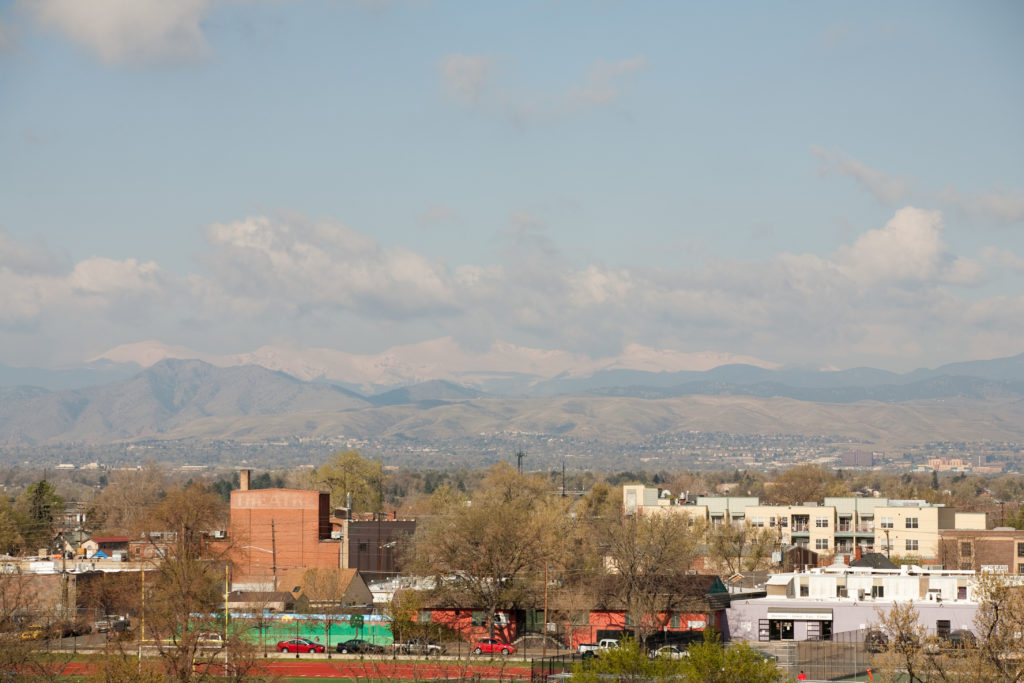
(192, 399)
(164, 397)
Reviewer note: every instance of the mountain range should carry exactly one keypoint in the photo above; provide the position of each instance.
(194, 399)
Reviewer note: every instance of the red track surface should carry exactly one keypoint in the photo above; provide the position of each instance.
(312, 668)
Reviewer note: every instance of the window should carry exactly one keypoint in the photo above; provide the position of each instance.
(784, 522)
(821, 544)
(965, 549)
(757, 521)
(804, 591)
(628, 622)
(479, 618)
(878, 591)
(674, 623)
(716, 520)
(886, 523)
(821, 522)
(841, 592)
(967, 565)
(1020, 550)
(911, 544)
(1020, 568)
(911, 522)
(363, 546)
(961, 592)
(771, 522)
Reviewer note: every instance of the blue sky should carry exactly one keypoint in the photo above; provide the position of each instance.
(815, 183)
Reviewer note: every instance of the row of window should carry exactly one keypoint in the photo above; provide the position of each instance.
(910, 522)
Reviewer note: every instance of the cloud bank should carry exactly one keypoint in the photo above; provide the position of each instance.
(892, 293)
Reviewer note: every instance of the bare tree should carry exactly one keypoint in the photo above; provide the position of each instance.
(736, 548)
(646, 557)
(489, 553)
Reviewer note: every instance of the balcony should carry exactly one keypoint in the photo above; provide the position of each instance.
(801, 528)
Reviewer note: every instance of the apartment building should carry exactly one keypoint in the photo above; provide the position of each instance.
(837, 526)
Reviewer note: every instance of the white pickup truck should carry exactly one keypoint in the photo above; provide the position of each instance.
(588, 650)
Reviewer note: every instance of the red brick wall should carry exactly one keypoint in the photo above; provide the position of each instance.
(301, 532)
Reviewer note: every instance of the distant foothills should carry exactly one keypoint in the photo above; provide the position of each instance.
(188, 409)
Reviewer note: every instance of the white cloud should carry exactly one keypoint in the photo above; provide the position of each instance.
(908, 249)
(604, 83)
(125, 31)
(886, 189)
(1000, 206)
(106, 276)
(1003, 258)
(325, 263)
(473, 80)
(467, 76)
(894, 292)
(438, 213)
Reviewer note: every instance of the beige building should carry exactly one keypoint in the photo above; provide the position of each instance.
(839, 526)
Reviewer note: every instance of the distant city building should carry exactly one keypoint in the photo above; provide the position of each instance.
(858, 458)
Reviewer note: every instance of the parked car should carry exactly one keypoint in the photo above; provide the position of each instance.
(418, 646)
(211, 638)
(668, 652)
(299, 645)
(492, 646)
(35, 632)
(73, 629)
(588, 650)
(875, 641)
(359, 646)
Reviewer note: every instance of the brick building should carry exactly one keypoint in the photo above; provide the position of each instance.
(275, 530)
(980, 548)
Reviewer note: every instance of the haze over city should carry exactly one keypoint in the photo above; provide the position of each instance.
(685, 184)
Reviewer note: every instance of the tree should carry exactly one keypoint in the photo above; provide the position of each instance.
(187, 586)
(805, 483)
(35, 509)
(710, 662)
(648, 557)
(999, 625)
(627, 662)
(346, 473)
(11, 540)
(736, 548)
(123, 505)
(488, 554)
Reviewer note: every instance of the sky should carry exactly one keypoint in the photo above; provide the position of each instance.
(815, 184)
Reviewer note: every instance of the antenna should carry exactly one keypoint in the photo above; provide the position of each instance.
(520, 454)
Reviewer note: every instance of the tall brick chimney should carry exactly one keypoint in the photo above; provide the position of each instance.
(243, 480)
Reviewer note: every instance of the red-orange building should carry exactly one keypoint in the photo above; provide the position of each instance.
(274, 530)
(280, 529)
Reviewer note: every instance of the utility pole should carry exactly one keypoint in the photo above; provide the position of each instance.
(273, 550)
(544, 626)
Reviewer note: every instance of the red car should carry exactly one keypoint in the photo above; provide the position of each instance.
(299, 645)
(493, 646)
